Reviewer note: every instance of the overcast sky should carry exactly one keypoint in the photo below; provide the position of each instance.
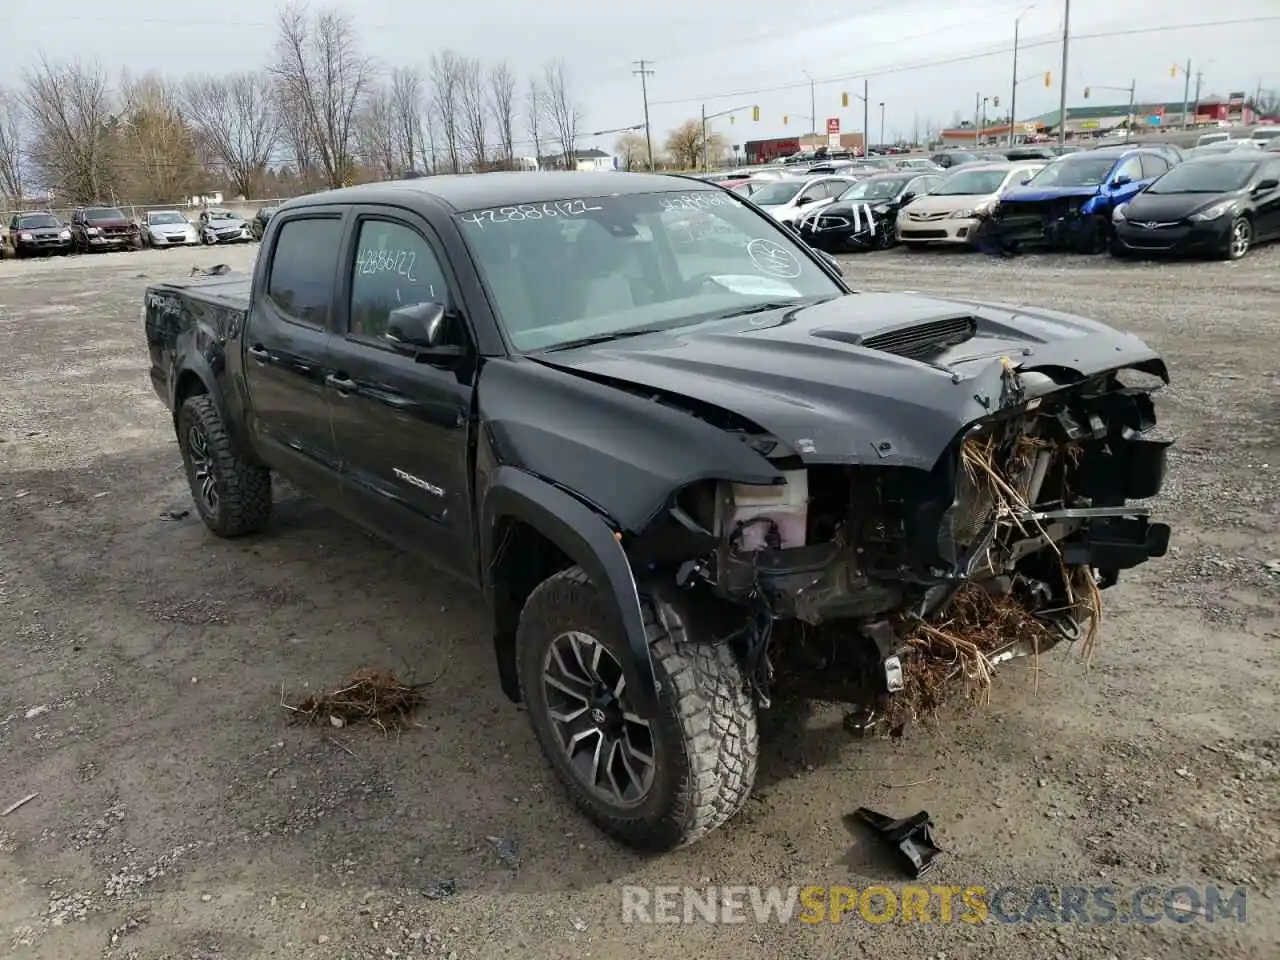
(726, 54)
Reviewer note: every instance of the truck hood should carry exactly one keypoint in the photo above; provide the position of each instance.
(1037, 194)
(881, 378)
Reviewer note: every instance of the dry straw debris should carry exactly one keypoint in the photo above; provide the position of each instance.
(376, 697)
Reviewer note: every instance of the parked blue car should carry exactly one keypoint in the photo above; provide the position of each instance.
(1068, 204)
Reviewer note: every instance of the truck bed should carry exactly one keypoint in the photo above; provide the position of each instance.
(189, 317)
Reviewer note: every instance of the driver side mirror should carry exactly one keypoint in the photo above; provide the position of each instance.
(908, 196)
(421, 330)
(801, 201)
(1264, 185)
(1121, 181)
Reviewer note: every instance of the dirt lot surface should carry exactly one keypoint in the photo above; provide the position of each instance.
(179, 816)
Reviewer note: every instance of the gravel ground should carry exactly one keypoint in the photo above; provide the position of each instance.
(179, 816)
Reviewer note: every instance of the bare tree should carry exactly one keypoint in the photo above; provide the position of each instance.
(534, 108)
(502, 100)
(446, 80)
(475, 110)
(236, 123)
(684, 143)
(70, 109)
(406, 110)
(1266, 104)
(156, 154)
(12, 144)
(375, 132)
(320, 70)
(630, 149)
(295, 132)
(563, 114)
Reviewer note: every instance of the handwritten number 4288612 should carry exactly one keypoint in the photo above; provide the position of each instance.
(528, 211)
(387, 261)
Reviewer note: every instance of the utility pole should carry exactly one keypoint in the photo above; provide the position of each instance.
(1128, 124)
(1062, 91)
(882, 122)
(644, 73)
(1199, 77)
(977, 105)
(1013, 94)
(813, 113)
(1186, 94)
(704, 138)
(866, 122)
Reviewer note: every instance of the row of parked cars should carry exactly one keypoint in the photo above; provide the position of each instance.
(90, 229)
(1217, 200)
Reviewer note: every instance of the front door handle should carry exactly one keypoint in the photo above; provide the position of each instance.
(340, 383)
(259, 353)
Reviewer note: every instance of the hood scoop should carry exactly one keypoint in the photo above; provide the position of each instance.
(916, 341)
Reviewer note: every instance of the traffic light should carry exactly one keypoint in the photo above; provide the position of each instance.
(1048, 78)
(1173, 71)
(731, 119)
(995, 101)
(755, 114)
(785, 119)
(1086, 93)
(844, 99)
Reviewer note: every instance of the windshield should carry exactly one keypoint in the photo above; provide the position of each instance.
(103, 213)
(1218, 176)
(1074, 171)
(971, 183)
(777, 193)
(167, 216)
(874, 190)
(221, 215)
(566, 270)
(35, 221)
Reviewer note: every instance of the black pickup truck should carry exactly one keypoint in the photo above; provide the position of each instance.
(663, 454)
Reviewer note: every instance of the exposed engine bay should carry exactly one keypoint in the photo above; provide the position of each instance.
(862, 582)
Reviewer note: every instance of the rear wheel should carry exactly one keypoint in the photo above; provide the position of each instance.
(232, 495)
(652, 784)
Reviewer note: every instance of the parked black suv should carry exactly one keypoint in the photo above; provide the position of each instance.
(37, 233)
(657, 451)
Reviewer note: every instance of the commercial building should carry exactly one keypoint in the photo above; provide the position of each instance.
(1093, 120)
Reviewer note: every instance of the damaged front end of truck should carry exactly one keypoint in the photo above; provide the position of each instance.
(880, 580)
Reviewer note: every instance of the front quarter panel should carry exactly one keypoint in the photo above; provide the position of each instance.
(625, 454)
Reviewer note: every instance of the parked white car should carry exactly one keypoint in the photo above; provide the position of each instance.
(168, 228)
(953, 210)
(786, 200)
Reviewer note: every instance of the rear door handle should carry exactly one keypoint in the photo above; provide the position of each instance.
(340, 383)
(259, 353)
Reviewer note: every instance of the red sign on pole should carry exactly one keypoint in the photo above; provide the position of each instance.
(833, 126)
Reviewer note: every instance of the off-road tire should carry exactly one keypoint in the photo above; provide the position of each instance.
(244, 489)
(705, 739)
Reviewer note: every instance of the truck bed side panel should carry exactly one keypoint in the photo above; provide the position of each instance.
(189, 327)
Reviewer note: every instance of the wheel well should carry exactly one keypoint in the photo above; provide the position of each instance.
(522, 558)
(189, 385)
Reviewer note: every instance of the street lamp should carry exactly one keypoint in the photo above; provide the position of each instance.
(882, 123)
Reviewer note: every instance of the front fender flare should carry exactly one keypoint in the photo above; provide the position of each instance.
(582, 535)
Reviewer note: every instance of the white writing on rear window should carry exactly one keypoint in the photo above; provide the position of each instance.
(382, 260)
(705, 200)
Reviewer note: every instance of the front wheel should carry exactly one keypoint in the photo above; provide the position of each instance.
(1239, 240)
(232, 495)
(1095, 235)
(650, 784)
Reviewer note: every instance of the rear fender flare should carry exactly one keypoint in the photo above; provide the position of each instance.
(196, 366)
(586, 538)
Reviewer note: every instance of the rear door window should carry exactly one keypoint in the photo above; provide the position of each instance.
(304, 265)
(394, 267)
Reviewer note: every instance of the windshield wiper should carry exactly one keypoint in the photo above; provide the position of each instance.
(770, 305)
(603, 338)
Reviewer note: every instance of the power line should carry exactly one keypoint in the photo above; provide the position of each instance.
(1002, 50)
